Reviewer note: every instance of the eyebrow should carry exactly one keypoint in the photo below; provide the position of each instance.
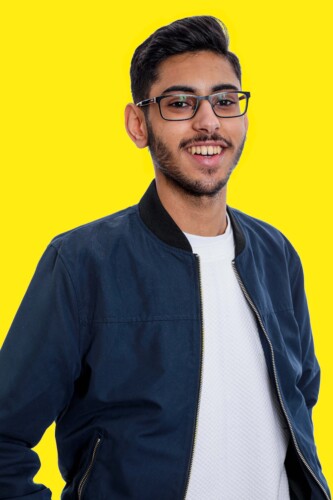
(185, 88)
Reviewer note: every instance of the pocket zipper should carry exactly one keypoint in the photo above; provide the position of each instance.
(86, 474)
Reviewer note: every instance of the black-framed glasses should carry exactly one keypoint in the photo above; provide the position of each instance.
(177, 107)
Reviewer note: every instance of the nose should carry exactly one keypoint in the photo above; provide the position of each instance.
(205, 119)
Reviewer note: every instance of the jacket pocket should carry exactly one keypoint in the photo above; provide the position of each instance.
(89, 468)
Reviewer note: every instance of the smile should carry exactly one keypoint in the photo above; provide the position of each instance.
(205, 150)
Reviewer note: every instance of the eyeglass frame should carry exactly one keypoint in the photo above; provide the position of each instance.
(157, 100)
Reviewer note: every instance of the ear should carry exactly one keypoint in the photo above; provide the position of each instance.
(135, 124)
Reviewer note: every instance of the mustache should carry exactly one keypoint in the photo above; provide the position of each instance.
(186, 143)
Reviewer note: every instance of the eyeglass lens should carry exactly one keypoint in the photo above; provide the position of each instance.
(182, 106)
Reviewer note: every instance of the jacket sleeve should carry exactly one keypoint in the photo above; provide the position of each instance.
(310, 379)
(39, 362)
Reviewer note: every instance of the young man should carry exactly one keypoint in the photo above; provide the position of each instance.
(171, 341)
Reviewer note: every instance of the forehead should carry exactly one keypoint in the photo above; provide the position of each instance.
(201, 71)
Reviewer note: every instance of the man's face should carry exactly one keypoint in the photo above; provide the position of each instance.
(171, 143)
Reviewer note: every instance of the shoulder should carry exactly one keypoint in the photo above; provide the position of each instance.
(98, 233)
(265, 238)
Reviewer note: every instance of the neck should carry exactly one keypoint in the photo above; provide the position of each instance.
(200, 215)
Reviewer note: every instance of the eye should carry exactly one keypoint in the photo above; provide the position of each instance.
(224, 102)
(179, 104)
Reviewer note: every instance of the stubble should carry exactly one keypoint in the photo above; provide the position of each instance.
(165, 162)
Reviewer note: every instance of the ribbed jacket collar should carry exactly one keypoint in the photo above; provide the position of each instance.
(158, 220)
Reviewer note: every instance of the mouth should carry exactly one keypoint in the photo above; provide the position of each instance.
(205, 150)
(207, 155)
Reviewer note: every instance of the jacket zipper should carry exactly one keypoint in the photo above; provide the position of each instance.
(86, 474)
(276, 379)
(200, 378)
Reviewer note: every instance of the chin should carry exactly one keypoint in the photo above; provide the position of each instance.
(197, 187)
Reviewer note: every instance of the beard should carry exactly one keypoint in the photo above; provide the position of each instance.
(165, 162)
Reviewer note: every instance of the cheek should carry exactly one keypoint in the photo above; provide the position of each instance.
(172, 134)
(237, 131)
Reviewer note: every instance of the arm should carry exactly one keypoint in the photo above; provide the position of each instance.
(310, 378)
(39, 363)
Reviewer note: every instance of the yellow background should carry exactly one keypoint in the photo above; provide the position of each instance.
(66, 159)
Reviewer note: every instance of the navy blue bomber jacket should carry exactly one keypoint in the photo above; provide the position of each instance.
(108, 343)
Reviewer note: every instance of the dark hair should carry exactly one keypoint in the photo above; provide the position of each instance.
(191, 34)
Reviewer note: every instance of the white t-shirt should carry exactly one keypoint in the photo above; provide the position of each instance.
(241, 438)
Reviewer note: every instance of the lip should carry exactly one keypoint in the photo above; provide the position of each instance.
(206, 160)
(223, 144)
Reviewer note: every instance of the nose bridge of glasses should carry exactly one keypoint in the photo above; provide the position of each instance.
(204, 98)
(205, 107)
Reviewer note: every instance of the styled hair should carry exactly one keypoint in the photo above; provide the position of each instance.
(191, 34)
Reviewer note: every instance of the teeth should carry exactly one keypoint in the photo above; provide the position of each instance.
(205, 150)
